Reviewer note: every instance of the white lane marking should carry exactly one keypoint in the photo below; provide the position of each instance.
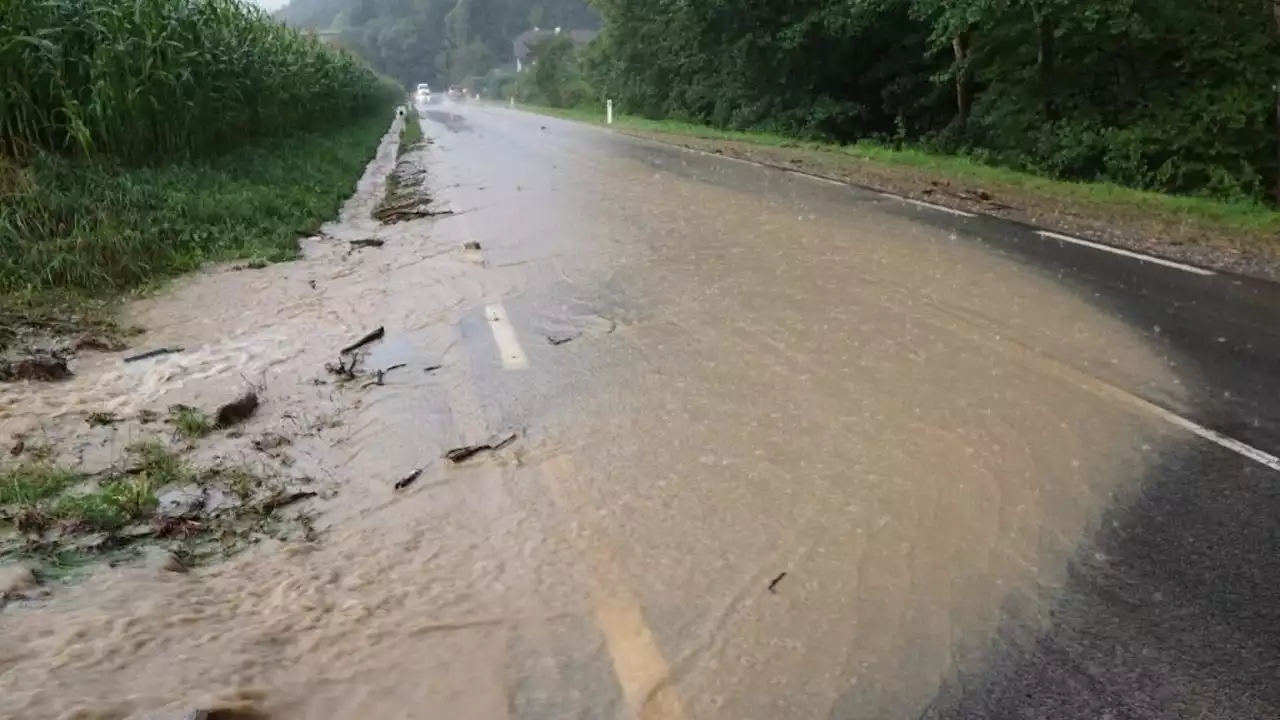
(929, 205)
(1103, 388)
(1126, 253)
(1253, 453)
(818, 178)
(504, 334)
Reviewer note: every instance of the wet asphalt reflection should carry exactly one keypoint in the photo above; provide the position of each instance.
(658, 434)
(935, 433)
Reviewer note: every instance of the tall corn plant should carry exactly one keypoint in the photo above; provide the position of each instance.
(142, 81)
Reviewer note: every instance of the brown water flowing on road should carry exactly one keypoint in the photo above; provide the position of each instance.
(752, 380)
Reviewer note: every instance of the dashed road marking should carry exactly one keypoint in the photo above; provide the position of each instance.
(642, 671)
(931, 206)
(504, 334)
(1126, 253)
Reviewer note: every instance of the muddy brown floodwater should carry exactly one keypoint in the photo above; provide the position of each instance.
(716, 375)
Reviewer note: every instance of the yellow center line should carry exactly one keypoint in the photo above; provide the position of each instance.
(642, 671)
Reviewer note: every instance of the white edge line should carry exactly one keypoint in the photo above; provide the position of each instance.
(497, 317)
(1253, 453)
(504, 334)
(961, 213)
(1126, 253)
(931, 206)
(817, 178)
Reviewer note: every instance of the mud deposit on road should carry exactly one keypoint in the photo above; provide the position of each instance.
(1181, 238)
(136, 638)
(760, 454)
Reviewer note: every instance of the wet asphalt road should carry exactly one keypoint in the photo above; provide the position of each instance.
(829, 454)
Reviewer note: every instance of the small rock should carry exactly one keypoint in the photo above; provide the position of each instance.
(234, 413)
(270, 441)
(16, 580)
(180, 502)
(39, 365)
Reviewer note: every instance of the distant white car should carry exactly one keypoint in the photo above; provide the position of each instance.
(423, 92)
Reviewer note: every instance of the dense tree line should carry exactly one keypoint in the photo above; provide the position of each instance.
(435, 41)
(1177, 96)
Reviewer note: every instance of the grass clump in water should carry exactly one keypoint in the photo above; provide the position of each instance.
(190, 422)
(63, 519)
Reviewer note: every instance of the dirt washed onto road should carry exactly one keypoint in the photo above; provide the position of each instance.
(1178, 237)
(813, 459)
(134, 640)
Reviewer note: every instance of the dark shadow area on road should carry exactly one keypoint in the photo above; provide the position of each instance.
(1173, 609)
(1172, 612)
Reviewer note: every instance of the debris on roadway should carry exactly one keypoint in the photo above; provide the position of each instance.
(466, 452)
(368, 338)
(153, 353)
(237, 411)
(408, 480)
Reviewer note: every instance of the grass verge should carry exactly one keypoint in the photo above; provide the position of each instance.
(60, 520)
(75, 237)
(1235, 236)
(410, 132)
(404, 197)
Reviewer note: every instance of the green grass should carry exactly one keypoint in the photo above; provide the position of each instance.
(75, 236)
(29, 484)
(1250, 220)
(38, 495)
(66, 520)
(140, 139)
(97, 229)
(151, 80)
(410, 132)
(190, 422)
(159, 463)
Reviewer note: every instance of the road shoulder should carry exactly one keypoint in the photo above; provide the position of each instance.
(1240, 239)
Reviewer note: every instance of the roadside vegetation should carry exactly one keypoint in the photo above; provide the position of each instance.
(1176, 98)
(1124, 147)
(142, 138)
(404, 197)
(56, 520)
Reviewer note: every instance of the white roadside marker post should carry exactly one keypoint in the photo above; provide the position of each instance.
(608, 112)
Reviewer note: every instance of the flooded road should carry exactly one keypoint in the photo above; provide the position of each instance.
(784, 449)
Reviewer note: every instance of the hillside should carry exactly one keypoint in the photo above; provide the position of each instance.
(434, 41)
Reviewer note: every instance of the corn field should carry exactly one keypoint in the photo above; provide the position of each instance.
(140, 81)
